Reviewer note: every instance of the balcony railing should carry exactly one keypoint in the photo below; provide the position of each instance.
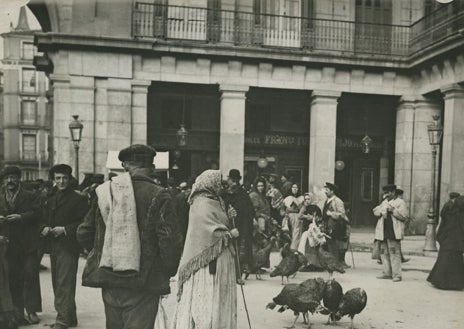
(441, 24)
(264, 30)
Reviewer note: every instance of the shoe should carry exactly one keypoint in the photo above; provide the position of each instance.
(32, 318)
(58, 326)
(42, 267)
(379, 262)
(73, 324)
(384, 277)
(240, 281)
(396, 279)
(405, 260)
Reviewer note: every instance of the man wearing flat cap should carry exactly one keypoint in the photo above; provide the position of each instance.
(239, 199)
(63, 212)
(135, 243)
(336, 223)
(391, 214)
(19, 215)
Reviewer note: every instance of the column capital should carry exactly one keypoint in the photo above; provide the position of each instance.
(452, 91)
(327, 96)
(140, 86)
(233, 88)
(233, 91)
(59, 78)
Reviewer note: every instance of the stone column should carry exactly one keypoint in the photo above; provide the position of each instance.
(413, 155)
(452, 165)
(232, 128)
(139, 111)
(73, 95)
(322, 138)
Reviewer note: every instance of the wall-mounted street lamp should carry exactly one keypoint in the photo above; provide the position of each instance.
(75, 128)
(435, 131)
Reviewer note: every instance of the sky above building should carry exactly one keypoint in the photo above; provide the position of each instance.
(9, 12)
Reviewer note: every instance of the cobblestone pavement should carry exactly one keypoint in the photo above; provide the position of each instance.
(412, 303)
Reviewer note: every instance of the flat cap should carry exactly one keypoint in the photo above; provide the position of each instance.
(389, 188)
(60, 169)
(12, 170)
(137, 153)
(454, 195)
(331, 186)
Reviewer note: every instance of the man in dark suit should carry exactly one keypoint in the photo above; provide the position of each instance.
(239, 199)
(20, 211)
(63, 212)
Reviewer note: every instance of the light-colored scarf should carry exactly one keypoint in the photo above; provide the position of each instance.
(121, 247)
(207, 216)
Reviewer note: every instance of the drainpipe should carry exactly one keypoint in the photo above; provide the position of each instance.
(411, 177)
(94, 125)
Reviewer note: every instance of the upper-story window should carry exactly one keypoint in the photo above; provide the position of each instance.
(29, 146)
(28, 50)
(29, 80)
(28, 112)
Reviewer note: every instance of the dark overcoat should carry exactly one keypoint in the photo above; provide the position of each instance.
(68, 209)
(23, 234)
(450, 233)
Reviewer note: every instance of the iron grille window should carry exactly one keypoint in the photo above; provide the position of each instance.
(29, 81)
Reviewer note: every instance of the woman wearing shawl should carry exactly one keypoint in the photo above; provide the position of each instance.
(292, 222)
(207, 296)
(261, 205)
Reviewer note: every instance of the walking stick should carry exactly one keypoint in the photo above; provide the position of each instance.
(352, 257)
(237, 256)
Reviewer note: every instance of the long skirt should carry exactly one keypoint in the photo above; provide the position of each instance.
(310, 252)
(209, 301)
(448, 271)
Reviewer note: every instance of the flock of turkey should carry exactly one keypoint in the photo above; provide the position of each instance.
(313, 295)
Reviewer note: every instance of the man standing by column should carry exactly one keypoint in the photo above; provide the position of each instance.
(63, 212)
(21, 211)
(133, 233)
(239, 199)
(335, 223)
(392, 213)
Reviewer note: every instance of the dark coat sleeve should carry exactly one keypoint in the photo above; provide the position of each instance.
(86, 231)
(81, 207)
(32, 204)
(168, 232)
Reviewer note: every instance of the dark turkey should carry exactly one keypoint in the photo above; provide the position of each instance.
(329, 262)
(332, 295)
(300, 298)
(352, 303)
(261, 258)
(291, 261)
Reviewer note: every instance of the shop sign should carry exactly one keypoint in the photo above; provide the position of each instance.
(282, 140)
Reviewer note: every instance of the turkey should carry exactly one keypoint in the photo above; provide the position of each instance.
(260, 258)
(332, 295)
(300, 298)
(352, 303)
(329, 262)
(291, 261)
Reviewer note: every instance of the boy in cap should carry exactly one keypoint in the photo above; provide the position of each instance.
(133, 232)
(19, 212)
(392, 213)
(63, 212)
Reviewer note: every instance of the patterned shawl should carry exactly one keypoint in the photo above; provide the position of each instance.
(207, 221)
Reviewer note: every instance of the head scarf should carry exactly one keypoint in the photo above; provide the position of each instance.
(208, 184)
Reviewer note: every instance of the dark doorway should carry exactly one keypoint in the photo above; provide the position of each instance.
(365, 191)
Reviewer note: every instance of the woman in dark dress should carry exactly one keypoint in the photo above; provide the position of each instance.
(448, 271)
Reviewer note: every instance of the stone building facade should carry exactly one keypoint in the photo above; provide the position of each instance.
(25, 119)
(296, 82)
